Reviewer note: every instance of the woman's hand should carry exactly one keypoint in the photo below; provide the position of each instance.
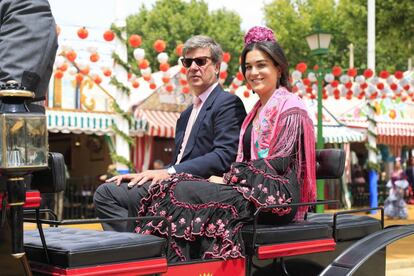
(216, 179)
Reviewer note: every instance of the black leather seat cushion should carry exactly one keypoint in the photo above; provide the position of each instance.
(349, 227)
(292, 232)
(69, 247)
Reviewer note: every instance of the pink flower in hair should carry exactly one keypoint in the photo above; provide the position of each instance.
(258, 34)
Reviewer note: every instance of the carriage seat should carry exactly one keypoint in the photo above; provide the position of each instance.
(72, 251)
(348, 227)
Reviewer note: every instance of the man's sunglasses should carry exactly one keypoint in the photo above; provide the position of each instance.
(200, 61)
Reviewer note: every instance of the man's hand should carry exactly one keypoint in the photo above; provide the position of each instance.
(216, 179)
(140, 178)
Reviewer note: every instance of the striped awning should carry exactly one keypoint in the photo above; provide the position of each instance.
(340, 134)
(158, 123)
(68, 121)
(389, 132)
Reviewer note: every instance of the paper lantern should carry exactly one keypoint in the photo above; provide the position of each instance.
(71, 55)
(301, 67)
(83, 33)
(223, 66)
(143, 64)
(63, 67)
(183, 82)
(159, 45)
(162, 57)
(169, 88)
(164, 67)
(147, 77)
(94, 57)
(97, 79)
(135, 40)
(239, 76)
(368, 73)
(58, 74)
(179, 49)
(135, 84)
(226, 57)
(146, 72)
(59, 61)
(336, 71)
(139, 54)
(79, 78)
(223, 75)
(352, 72)
(108, 35)
(165, 80)
(152, 86)
(384, 74)
(107, 72)
(185, 90)
(246, 93)
(398, 75)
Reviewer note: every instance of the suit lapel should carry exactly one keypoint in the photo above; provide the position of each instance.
(180, 130)
(200, 118)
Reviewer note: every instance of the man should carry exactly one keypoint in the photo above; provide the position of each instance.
(28, 44)
(206, 139)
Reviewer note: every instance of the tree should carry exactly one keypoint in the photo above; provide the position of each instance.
(347, 21)
(175, 21)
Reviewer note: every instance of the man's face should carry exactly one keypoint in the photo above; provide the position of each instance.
(200, 77)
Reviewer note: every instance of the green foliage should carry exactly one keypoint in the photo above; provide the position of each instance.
(174, 21)
(292, 20)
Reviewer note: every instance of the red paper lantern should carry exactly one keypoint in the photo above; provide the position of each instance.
(83, 33)
(135, 40)
(97, 79)
(183, 70)
(239, 76)
(107, 72)
(226, 57)
(380, 86)
(334, 83)
(71, 55)
(108, 35)
(94, 57)
(364, 85)
(336, 71)
(185, 90)
(384, 74)
(315, 67)
(144, 64)
(63, 67)
(179, 49)
(309, 89)
(246, 93)
(368, 73)
(85, 70)
(393, 86)
(164, 67)
(166, 80)
(79, 78)
(183, 82)
(147, 78)
(152, 86)
(135, 84)
(406, 87)
(348, 85)
(169, 88)
(352, 72)
(301, 67)
(159, 45)
(306, 81)
(234, 85)
(398, 75)
(129, 75)
(58, 74)
(223, 75)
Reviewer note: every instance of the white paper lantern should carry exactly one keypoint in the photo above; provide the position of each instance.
(312, 77)
(139, 54)
(146, 71)
(329, 78)
(296, 75)
(162, 57)
(59, 61)
(223, 66)
(360, 79)
(344, 78)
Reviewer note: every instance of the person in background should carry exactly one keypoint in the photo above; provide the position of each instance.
(207, 134)
(395, 206)
(158, 165)
(275, 164)
(409, 172)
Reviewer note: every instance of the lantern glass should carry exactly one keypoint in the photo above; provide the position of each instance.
(319, 42)
(23, 141)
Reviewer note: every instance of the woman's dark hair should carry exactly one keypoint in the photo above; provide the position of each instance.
(275, 53)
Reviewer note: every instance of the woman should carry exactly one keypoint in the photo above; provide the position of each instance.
(394, 205)
(275, 165)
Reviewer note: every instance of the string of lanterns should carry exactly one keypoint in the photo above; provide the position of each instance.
(338, 82)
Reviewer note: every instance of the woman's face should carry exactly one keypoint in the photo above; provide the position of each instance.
(261, 73)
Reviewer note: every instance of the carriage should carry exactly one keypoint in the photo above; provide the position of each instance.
(341, 243)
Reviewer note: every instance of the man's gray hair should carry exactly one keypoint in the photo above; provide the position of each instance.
(203, 41)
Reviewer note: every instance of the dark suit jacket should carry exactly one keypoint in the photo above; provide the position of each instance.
(410, 175)
(213, 142)
(28, 44)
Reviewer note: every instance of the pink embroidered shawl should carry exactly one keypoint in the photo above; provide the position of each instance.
(272, 140)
